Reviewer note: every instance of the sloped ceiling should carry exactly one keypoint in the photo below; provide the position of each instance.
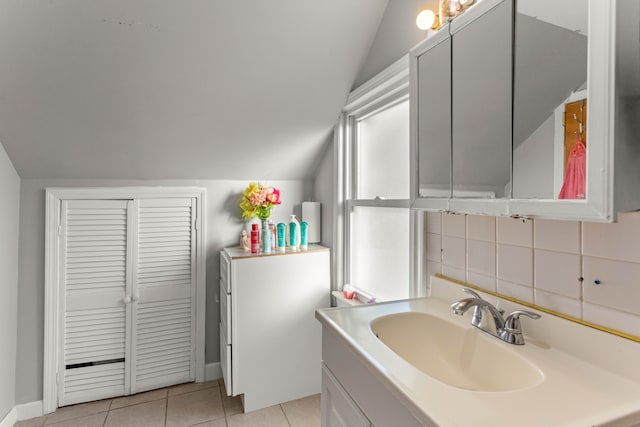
(166, 89)
(396, 35)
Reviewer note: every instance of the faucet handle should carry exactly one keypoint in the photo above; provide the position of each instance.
(512, 322)
(512, 330)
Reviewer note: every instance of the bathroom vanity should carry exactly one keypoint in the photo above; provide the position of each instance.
(415, 363)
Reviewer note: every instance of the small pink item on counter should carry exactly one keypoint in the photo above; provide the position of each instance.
(348, 292)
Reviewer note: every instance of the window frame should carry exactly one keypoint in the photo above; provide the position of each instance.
(387, 89)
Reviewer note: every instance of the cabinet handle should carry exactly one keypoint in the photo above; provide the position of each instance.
(127, 299)
(135, 297)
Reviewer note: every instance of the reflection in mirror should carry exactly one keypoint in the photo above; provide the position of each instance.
(481, 97)
(549, 106)
(434, 120)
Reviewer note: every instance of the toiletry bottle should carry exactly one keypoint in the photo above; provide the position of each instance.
(274, 235)
(294, 233)
(282, 237)
(255, 239)
(266, 239)
(304, 233)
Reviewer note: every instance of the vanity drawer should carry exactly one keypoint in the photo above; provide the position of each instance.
(225, 313)
(225, 272)
(225, 361)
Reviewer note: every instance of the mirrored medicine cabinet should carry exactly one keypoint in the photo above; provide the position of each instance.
(529, 108)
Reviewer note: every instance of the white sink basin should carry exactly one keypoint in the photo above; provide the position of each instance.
(462, 357)
(445, 372)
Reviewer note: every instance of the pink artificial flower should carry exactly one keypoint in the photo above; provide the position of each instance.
(257, 199)
(273, 196)
(264, 196)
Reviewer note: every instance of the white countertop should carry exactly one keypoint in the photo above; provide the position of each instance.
(575, 391)
(238, 252)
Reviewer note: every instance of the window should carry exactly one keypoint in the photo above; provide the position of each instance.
(379, 251)
(382, 150)
(375, 181)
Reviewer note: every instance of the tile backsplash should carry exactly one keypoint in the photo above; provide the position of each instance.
(587, 270)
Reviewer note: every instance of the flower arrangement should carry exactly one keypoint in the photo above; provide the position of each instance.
(258, 200)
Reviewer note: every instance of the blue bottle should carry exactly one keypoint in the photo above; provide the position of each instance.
(304, 232)
(282, 237)
(294, 233)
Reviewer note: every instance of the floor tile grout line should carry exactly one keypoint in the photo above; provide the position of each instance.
(224, 408)
(193, 391)
(73, 418)
(189, 392)
(166, 409)
(285, 414)
(137, 404)
(104, 423)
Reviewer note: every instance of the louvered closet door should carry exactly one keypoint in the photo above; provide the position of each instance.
(164, 278)
(93, 260)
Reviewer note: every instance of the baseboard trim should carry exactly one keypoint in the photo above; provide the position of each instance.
(22, 412)
(10, 419)
(212, 371)
(30, 410)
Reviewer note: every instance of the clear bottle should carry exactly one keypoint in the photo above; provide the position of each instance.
(266, 238)
(274, 235)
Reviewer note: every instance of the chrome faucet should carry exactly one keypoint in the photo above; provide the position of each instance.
(509, 329)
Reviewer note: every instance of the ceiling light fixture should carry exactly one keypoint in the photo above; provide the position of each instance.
(466, 3)
(449, 9)
(426, 20)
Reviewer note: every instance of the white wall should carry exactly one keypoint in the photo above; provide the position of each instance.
(9, 226)
(223, 229)
(323, 192)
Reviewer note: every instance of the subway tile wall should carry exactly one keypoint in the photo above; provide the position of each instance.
(587, 270)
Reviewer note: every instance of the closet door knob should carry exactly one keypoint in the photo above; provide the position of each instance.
(127, 299)
(136, 297)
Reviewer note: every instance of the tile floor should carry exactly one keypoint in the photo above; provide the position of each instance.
(185, 405)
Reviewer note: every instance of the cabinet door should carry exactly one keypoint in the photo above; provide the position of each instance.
(275, 336)
(434, 118)
(554, 34)
(163, 309)
(337, 407)
(481, 102)
(95, 319)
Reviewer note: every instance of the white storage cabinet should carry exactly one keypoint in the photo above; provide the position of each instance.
(270, 342)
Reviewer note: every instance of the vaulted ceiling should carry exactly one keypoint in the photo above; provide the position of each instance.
(166, 89)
